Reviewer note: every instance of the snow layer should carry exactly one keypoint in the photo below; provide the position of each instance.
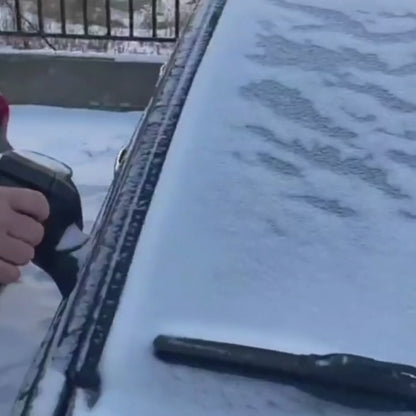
(88, 141)
(285, 213)
(50, 386)
(119, 57)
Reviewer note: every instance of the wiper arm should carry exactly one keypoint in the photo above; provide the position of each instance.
(350, 373)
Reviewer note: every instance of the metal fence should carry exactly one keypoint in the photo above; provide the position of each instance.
(35, 26)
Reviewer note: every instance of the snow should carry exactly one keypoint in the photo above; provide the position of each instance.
(50, 387)
(285, 213)
(88, 141)
(119, 57)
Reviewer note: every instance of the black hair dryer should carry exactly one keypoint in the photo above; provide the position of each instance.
(63, 228)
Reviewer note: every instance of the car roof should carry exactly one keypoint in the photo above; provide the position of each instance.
(284, 215)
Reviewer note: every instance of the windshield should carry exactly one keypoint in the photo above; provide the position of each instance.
(284, 217)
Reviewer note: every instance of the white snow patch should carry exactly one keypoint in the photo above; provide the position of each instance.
(120, 57)
(49, 389)
(323, 363)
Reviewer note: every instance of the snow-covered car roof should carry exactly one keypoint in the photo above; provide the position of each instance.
(283, 217)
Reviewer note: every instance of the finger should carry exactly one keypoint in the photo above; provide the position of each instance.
(30, 202)
(15, 251)
(8, 273)
(26, 229)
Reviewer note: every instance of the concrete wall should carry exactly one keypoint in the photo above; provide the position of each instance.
(77, 81)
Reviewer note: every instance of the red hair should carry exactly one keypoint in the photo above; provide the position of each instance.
(4, 110)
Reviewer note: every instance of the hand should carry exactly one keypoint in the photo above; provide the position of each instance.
(22, 212)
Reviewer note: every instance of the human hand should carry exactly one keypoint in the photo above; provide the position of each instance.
(22, 212)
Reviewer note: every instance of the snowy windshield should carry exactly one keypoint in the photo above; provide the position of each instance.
(285, 215)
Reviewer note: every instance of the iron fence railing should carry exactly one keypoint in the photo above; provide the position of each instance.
(34, 24)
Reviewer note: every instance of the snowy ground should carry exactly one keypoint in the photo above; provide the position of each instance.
(88, 141)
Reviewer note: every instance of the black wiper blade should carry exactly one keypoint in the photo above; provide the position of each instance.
(351, 373)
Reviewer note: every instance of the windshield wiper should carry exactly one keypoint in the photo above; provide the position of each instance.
(391, 385)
